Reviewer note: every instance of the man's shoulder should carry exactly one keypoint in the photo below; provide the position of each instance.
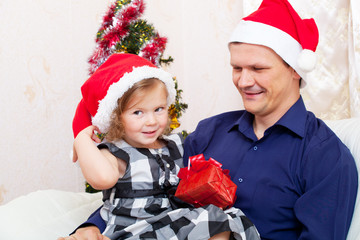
(320, 135)
(317, 127)
(211, 129)
(224, 119)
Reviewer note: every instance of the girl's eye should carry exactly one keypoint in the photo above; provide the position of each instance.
(159, 109)
(137, 113)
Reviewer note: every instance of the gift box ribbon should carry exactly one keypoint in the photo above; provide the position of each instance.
(198, 163)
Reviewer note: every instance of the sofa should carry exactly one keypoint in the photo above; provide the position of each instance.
(48, 214)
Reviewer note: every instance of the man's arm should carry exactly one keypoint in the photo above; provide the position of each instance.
(330, 182)
(96, 220)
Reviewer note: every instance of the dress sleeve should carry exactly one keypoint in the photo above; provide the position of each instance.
(328, 180)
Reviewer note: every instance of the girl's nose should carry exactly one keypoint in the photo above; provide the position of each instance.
(150, 119)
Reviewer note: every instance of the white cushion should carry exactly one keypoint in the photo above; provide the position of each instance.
(46, 214)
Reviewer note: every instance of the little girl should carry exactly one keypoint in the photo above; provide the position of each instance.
(127, 98)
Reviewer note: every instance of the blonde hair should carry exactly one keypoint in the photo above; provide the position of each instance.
(116, 129)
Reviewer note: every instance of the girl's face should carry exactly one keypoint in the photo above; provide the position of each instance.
(146, 117)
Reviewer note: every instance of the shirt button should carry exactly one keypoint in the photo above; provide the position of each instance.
(167, 165)
(255, 148)
(241, 180)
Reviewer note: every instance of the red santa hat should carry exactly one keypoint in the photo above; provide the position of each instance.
(108, 83)
(275, 24)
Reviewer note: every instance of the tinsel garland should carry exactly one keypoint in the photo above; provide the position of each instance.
(121, 29)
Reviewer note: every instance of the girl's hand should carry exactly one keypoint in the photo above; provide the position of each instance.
(90, 131)
(86, 132)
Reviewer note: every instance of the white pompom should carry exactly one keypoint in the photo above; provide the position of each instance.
(307, 60)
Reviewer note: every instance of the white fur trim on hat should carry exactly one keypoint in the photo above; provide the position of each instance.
(109, 103)
(307, 60)
(281, 42)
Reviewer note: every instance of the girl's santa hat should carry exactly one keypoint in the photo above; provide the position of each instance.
(108, 83)
(275, 24)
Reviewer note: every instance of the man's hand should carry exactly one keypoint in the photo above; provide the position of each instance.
(86, 233)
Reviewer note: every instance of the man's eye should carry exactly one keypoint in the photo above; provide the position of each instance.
(258, 68)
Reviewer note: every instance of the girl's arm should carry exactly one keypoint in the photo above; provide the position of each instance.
(99, 167)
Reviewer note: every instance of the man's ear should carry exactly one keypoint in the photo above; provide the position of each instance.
(296, 75)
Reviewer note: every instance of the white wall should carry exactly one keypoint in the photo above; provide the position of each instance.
(44, 46)
(197, 33)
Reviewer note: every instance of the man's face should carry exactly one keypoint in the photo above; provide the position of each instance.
(268, 86)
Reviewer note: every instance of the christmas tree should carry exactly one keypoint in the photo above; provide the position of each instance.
(123, 31)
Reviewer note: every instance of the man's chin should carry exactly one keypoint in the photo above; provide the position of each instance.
(252, 106)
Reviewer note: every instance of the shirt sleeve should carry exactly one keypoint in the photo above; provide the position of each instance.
(329, 184)
(188, 149)
(95, 219)
(197, 141)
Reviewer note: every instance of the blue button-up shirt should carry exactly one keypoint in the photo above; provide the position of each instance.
(299, 181)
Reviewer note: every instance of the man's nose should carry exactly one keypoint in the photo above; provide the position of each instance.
(245, 79)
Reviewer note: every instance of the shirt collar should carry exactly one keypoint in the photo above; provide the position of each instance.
(294, 120)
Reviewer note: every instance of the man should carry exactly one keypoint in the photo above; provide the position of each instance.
(295, 178)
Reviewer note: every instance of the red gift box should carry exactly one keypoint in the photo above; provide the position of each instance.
(205, 182)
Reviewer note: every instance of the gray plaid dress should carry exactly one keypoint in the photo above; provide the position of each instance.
(138, 206)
